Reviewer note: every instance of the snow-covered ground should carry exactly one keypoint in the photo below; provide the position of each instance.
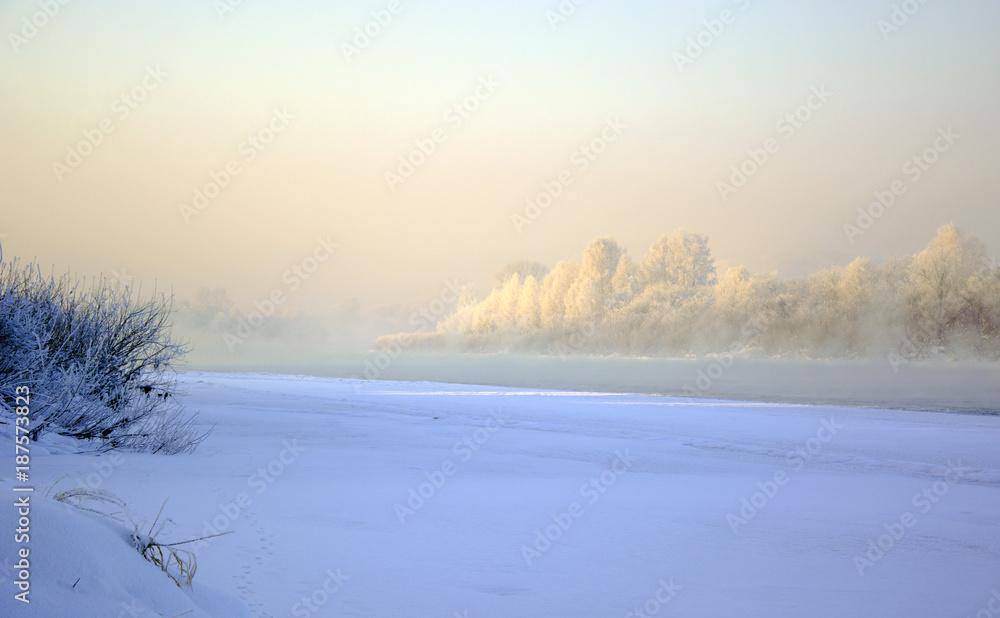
(435, 500)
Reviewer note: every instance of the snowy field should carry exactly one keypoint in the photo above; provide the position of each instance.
(397, 499)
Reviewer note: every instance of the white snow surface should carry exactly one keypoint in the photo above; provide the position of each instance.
(393, 499)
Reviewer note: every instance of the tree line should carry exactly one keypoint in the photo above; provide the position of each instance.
(943, 302)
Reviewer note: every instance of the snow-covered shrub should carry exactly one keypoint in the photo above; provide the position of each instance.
(97, 361)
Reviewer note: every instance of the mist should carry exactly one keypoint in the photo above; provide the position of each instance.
(919, 331)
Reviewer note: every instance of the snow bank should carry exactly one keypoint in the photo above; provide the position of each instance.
(84, 564)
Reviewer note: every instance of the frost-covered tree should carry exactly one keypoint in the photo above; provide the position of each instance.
(734, 295)
(528, 314)
(981, 312)
(523, 269)
(624, 284)
(833, 301)
(555, 288)
(507, 310)
(590, 296)
(937, 282)
(679, 259)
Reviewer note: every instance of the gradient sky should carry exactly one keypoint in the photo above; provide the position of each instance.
(323, 175)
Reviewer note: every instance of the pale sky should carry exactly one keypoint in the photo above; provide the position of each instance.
(539, 93)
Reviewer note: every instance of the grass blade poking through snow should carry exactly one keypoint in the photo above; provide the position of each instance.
(180, 565)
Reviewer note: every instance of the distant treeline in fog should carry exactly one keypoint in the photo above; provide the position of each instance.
(943, 302)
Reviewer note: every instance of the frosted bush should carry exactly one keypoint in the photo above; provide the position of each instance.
(98, 361)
